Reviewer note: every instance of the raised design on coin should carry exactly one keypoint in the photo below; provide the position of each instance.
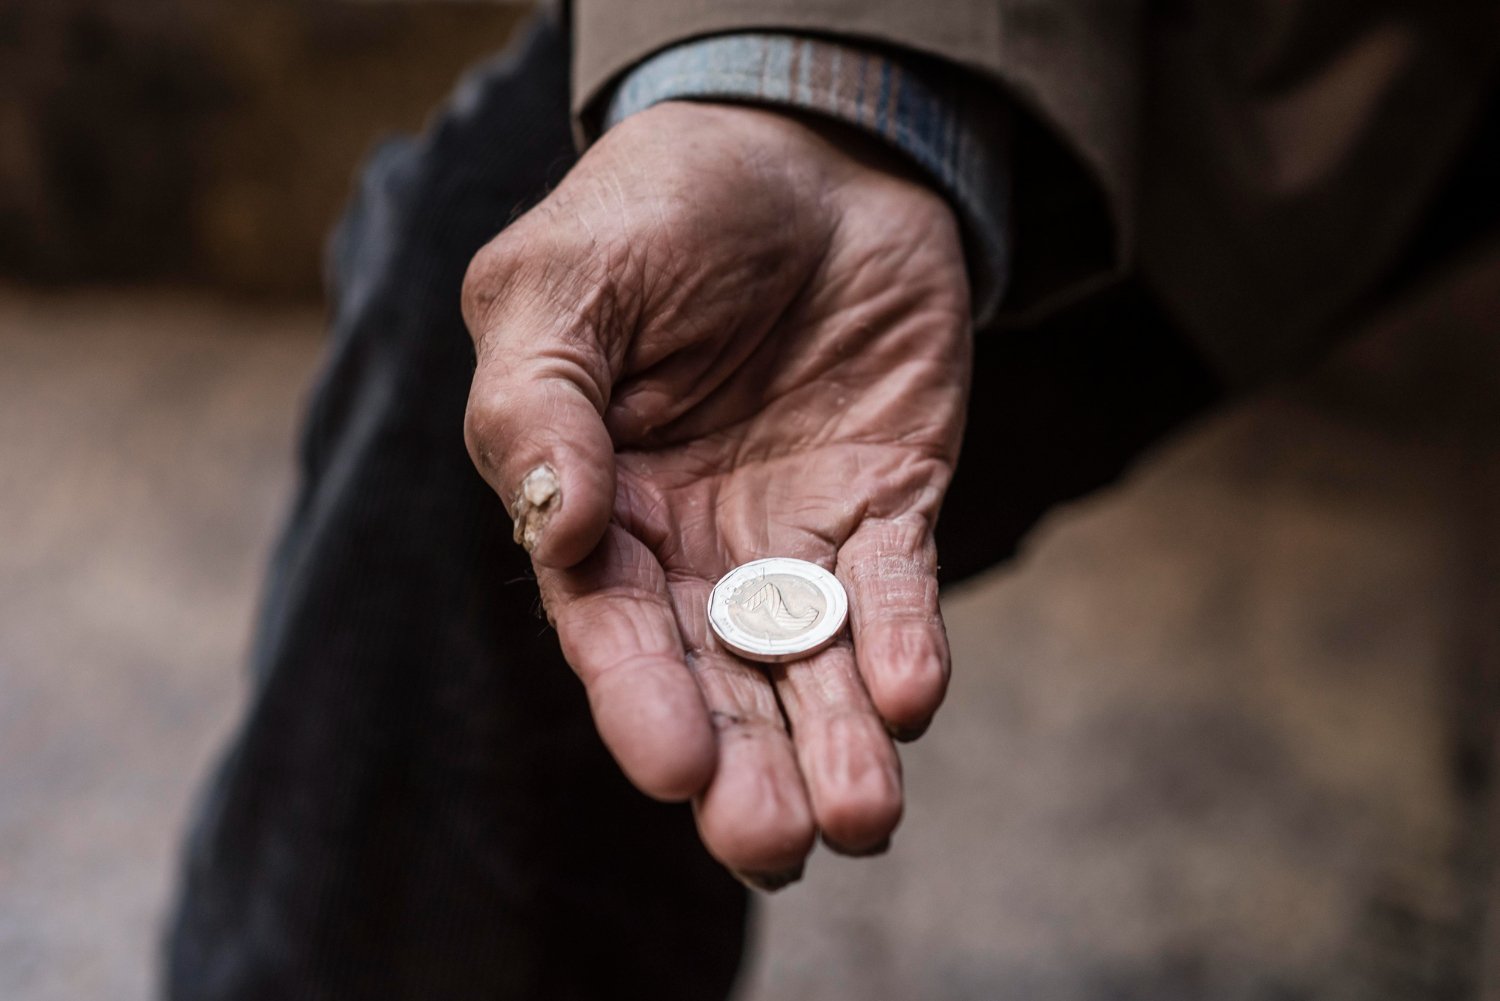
(777, 609)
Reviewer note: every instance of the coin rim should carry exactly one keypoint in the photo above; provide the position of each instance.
(825, 581)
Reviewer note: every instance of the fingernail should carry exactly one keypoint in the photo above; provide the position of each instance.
(876, 849)
(539, 497)
(770, 882)
(906, 734)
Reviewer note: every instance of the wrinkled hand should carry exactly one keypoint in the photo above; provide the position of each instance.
(725, 337)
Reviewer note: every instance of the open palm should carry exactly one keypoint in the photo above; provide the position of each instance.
(726, 337)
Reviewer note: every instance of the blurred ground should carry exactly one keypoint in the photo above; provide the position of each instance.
(1219, 734)
(143, 459)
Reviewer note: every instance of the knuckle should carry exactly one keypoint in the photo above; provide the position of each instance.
(483, 432)
(499, 275)
(488, 274)
(747, 725)
(577, 304)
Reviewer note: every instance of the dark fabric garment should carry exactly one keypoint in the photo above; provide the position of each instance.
(416, 805)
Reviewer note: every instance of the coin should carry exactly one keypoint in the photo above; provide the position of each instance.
(777, 609)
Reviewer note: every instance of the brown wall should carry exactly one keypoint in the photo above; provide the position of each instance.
(206, 141)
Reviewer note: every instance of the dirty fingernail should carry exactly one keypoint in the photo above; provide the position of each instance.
(876, 849)
(906, 734)
(539, 497)
(770, 882)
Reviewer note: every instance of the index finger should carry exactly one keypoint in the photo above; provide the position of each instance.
(615, 622)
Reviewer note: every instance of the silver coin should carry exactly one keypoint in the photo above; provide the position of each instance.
(777, 609)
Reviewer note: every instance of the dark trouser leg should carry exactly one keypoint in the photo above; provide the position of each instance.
(417, 805)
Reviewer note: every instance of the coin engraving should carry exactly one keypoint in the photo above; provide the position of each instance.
(776, 606)
(777, 609)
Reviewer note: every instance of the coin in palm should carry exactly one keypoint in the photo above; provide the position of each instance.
(777, 609)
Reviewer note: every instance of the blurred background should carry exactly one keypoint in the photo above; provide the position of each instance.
(1222, 732)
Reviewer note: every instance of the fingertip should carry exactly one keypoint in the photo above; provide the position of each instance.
(756, 823)
(656, 728)
(541, 444)
(906, 668)
(863, 826)
(764, 848)
(676, 782)
(562, 509)
(906, 712)
(855, 778)
(676, 776)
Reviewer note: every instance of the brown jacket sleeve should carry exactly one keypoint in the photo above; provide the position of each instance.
(1070, 65)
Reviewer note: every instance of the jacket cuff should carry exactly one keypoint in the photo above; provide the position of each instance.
(940, 118)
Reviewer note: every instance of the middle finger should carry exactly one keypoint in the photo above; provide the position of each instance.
(754, 816)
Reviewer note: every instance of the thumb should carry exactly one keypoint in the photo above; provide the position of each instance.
(535, 432)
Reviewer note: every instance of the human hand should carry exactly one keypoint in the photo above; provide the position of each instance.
(726, 336)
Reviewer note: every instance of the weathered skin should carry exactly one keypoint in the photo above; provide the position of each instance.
(730, 334)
